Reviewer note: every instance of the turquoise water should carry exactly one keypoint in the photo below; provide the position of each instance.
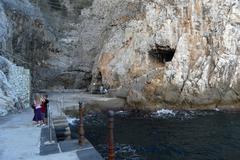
(168, 135)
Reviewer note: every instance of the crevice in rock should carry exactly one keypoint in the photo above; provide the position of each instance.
(55, 4)
(99, 78)
(161, 54)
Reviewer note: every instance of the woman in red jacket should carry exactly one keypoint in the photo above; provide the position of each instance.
(44, 108)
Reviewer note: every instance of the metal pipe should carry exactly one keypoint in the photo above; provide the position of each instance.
(62, 106)
(49, 125)
(50, 129)
(111, 152)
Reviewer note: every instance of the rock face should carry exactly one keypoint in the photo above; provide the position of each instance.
(155, 53)
(7, 95)
(14, 87)
(44, 36)
(173, 53)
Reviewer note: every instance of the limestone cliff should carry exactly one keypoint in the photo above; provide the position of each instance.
(154, 53)
(172, 53)
(45, 37)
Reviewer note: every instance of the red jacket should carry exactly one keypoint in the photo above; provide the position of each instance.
(44, 106)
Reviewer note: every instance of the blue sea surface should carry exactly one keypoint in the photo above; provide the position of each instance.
(167, 135)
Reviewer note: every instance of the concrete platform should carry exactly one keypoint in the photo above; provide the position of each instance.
(68, 99)
(69, 145)
(89, 154)
(49, 149)
(46, 147)
(60, 101)
(20, 139)
(84, 152)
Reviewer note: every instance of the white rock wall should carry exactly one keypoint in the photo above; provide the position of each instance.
(20, 80)
(204, 72)
(14, 86)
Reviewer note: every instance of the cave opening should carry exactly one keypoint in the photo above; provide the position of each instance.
(162, 54)
(99, 78)
(55, 4)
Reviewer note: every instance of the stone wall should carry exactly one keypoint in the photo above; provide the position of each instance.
(20, 80)
(14, 87)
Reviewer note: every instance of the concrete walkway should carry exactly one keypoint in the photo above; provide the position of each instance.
(20, 140)
(64, 100)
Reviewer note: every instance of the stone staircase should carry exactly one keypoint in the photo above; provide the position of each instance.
(61, 127)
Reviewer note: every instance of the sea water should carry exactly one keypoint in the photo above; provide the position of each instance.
(167, 135)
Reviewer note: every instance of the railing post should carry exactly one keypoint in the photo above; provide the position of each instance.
(81, 129)
(111, 151)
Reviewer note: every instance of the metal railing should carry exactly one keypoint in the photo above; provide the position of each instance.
(81, 138)
(50, 126)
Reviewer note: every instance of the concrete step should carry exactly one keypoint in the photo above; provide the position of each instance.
(59, 118)
(64, 123)
(60, 124)
(62, 128)
(63, 133)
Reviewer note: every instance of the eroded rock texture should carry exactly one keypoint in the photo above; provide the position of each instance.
(14, 87)
(154, 53)
(173, 53)
(45, 36)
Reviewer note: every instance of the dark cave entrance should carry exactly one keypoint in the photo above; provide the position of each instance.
(99, 78)
(95, 88)
(161, 54)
